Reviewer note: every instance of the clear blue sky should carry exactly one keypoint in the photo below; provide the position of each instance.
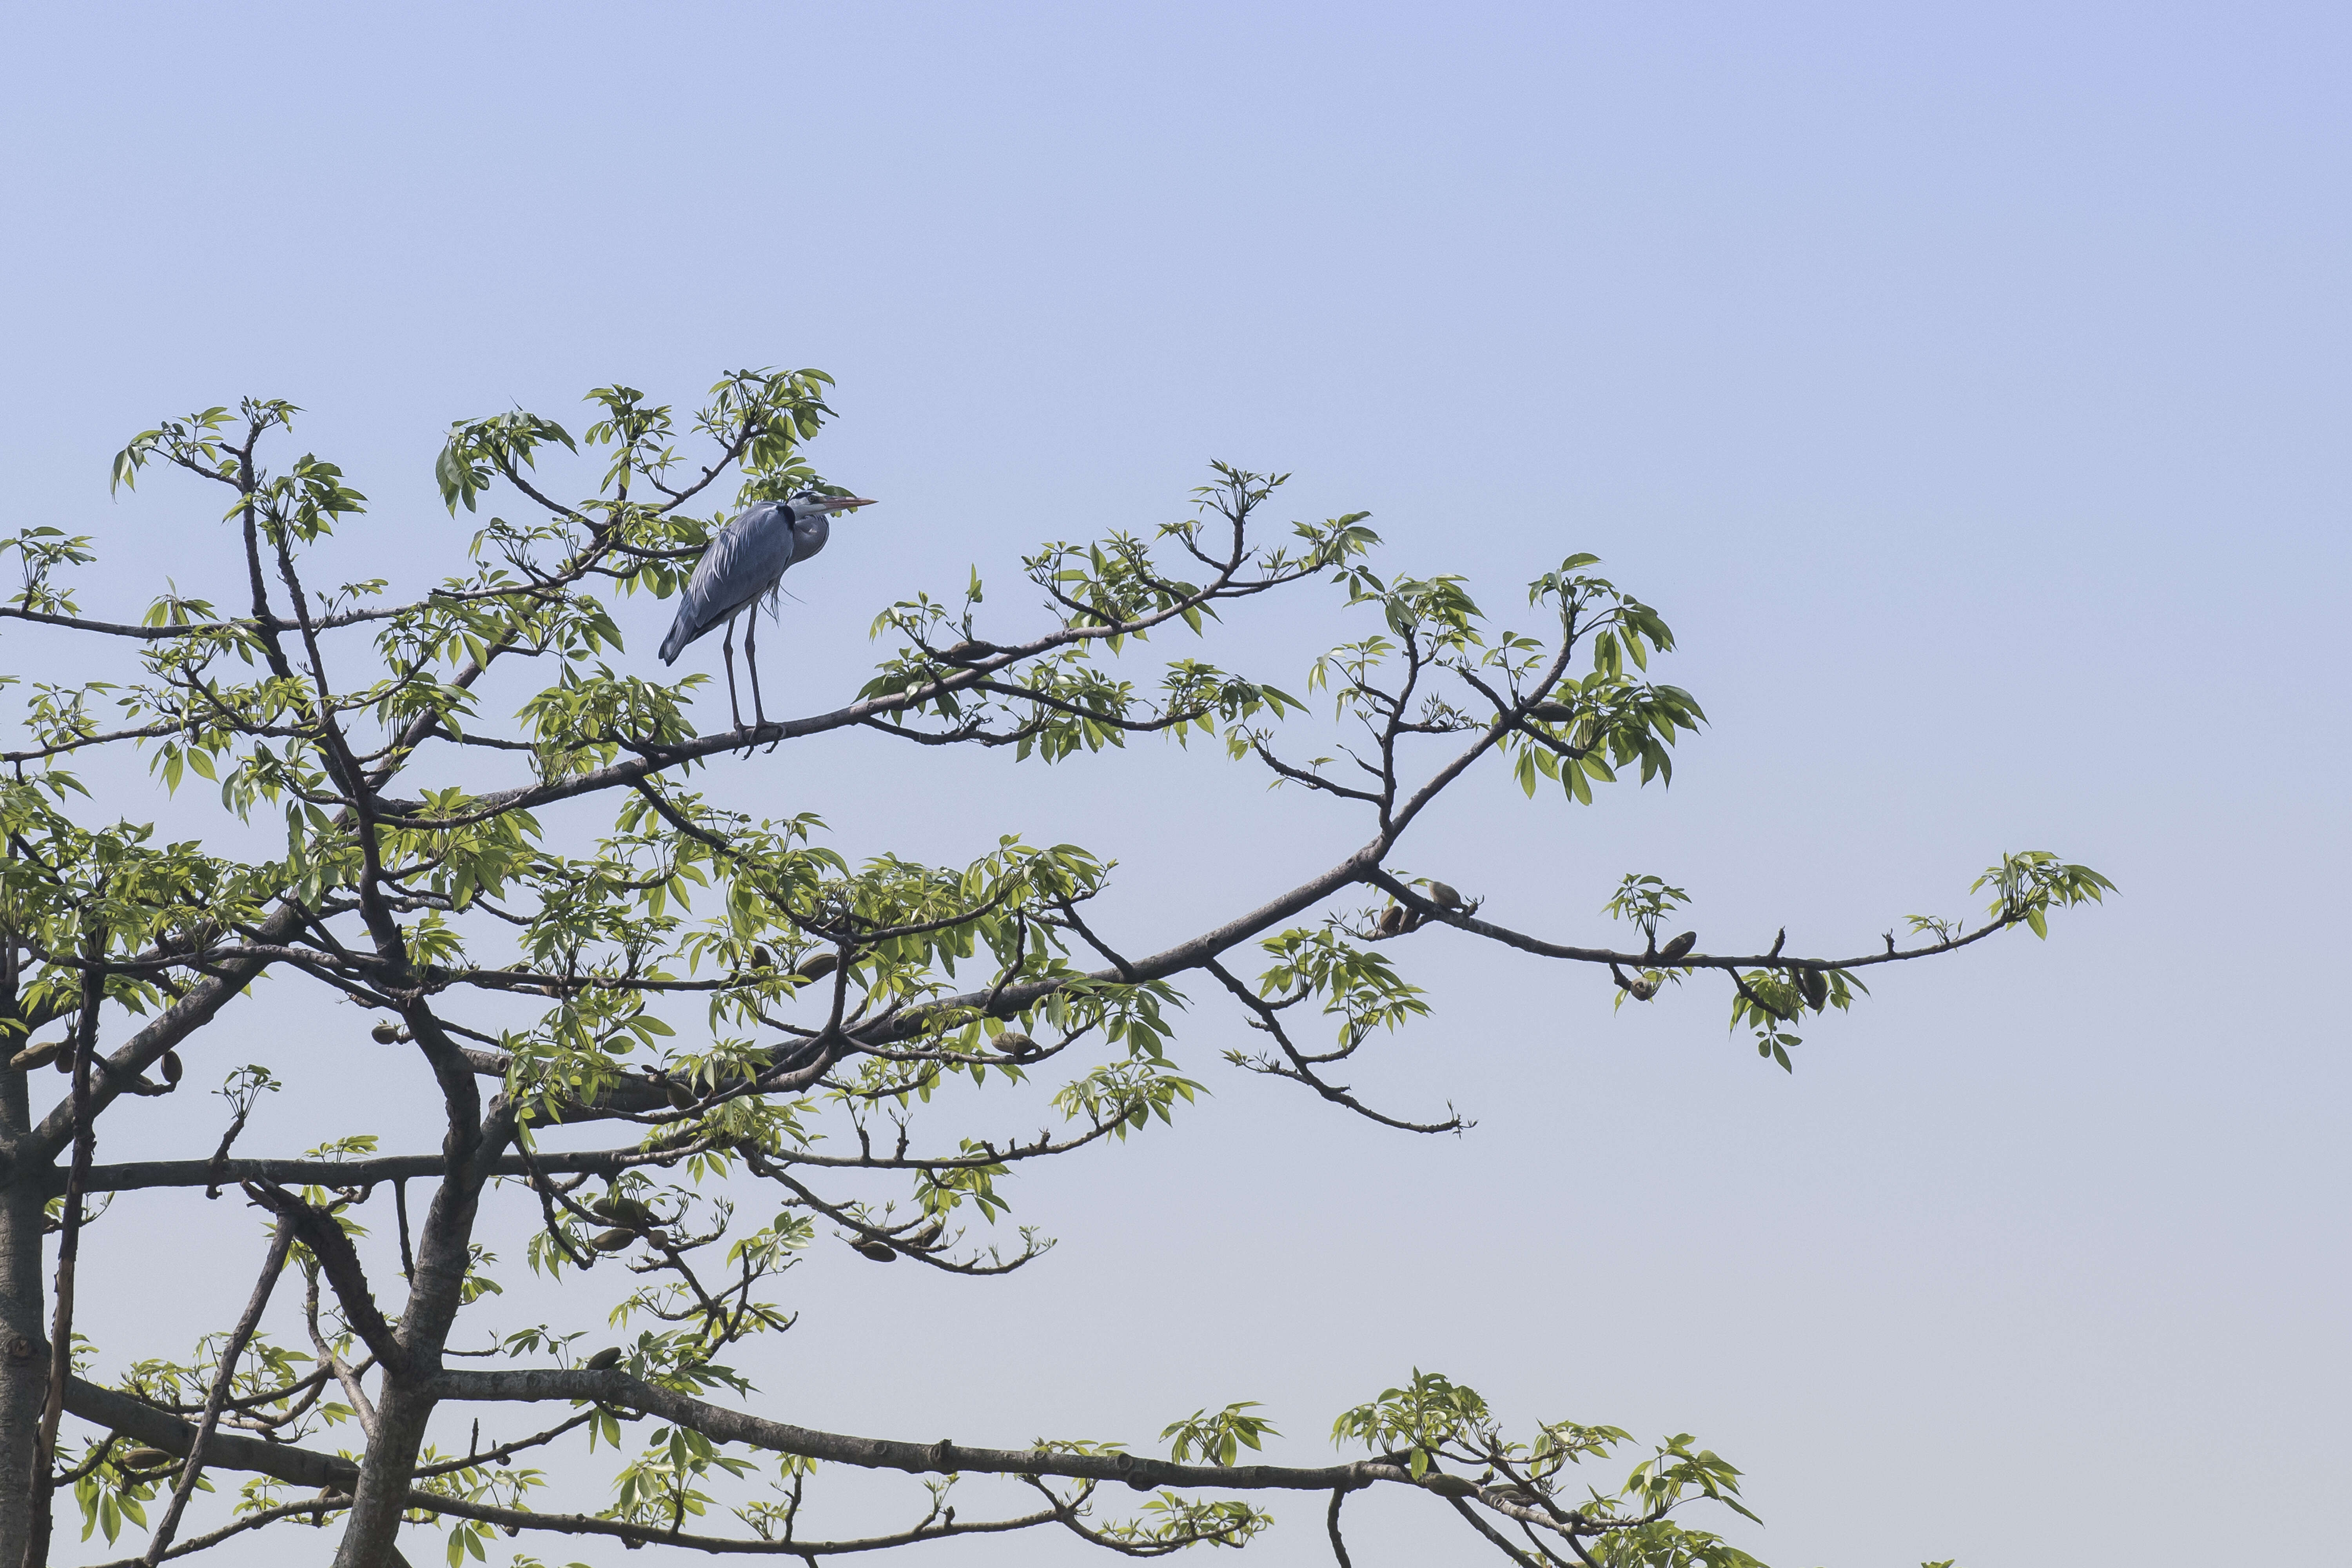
(1968, 386)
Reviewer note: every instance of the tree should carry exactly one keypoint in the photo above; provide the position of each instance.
(633, 1033)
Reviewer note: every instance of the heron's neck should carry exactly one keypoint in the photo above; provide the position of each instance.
(809, 536)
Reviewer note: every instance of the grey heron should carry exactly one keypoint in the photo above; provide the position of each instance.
(745, 565)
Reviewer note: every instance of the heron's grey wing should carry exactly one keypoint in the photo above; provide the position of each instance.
(743, 561)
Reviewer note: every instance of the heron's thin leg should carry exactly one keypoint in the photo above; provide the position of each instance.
(727, 651)
(751, 658)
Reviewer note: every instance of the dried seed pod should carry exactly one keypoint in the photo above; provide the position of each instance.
(148, 1459)
(878, 1251)
(1674, 951)
(761, 958)
(1817, 989)
(1445, 1485)
(39, 1056)
(1644, 989)
(1444, 896)
(818, 967)
(1391, 919)
(1016, 1044)
(172, 1067)
(612, 1240)
(623, 1210)
(604, 1360)
(927, 1238)
(63, 1060)
(385, 1033)
(1552, 712)
(681, 1094)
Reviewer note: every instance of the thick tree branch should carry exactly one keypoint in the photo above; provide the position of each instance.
(144, 1423)
(622, 1391)
(316, 1229)
(182, 1019)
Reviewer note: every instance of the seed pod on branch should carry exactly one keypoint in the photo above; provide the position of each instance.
(880, 1252)
(1552, 712)
(1444, 896)
(623, 1210)
(1817, 989)
(172, 1066)
(387, 1033)
(761, 958)
(1016, 1044)
(1445, 1485)
(39, 1056)
(612, 1240)
(148, 1459)
(604, 1360)
(681, 1094)
(926, 1238)
(819, 966)
(1644, 989)
(1673, 951)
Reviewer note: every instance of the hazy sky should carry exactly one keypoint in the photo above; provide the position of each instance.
(1967, 384)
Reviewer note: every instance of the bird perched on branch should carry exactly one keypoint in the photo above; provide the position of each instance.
(745, 565)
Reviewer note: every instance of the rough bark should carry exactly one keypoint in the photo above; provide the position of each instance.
(156, 1428)
(444, 1253)
(24, 1339)
(370, 1532)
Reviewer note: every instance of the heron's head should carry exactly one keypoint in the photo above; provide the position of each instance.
(809, 503)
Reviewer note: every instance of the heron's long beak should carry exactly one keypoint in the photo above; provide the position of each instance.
(849, 504)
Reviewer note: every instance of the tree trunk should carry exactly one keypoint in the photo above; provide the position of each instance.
(23, 1337)
(443, 1255)
(371, 1531)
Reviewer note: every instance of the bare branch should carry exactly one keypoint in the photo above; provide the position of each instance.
(206, 1429)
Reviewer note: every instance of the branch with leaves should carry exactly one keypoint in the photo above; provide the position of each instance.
(643, 1025)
